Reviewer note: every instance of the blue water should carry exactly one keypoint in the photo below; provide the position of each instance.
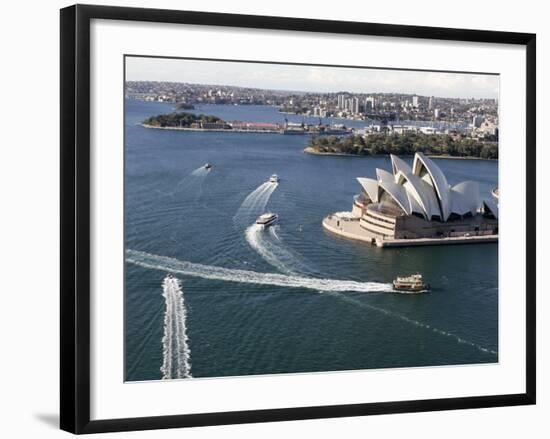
(277, 301)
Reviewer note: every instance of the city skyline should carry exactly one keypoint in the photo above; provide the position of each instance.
(315, 79)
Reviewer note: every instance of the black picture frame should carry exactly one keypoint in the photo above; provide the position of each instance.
(75, 217)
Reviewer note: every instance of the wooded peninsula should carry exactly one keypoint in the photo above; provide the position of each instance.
(180, 119)
(404, 144)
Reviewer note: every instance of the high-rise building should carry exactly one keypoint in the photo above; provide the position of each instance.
(431, 103)
(369, 104)
(355, 105)
(415, 102)
(341, 101)
(349, 104)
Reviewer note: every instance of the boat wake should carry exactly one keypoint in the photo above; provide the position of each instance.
(255, 203)
(269, 246)
(330, 286)
(200, 172)
(273, 232)
(172, 265)
(191, 183)
(417, 323)
(175, 349)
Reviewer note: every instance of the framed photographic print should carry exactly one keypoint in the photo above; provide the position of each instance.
(271, 218)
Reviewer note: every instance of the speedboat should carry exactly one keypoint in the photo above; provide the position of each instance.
(274, 178)
(413, 283)
(207, 166)
(267, 219)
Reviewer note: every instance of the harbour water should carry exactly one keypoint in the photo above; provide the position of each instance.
(291, 298)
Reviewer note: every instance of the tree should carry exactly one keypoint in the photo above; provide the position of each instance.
(406, 144)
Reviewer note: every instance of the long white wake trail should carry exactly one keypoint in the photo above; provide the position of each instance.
(268, 245)
(175, 348)
(333, 286)
(255, 203)
(192, 182)
(185, 268)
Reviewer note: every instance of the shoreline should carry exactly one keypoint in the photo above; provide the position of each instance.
(309, 150)
(235, 130)
(210, 130)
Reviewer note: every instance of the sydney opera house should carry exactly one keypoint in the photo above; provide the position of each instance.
(416, 205)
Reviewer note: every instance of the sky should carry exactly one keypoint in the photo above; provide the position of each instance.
(312, 78)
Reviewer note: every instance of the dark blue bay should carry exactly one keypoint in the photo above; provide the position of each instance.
(237, 328)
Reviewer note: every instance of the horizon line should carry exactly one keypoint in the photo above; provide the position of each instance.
(303, 91)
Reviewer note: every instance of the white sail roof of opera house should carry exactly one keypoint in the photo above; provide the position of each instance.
(399, 195)
(426, 169)
(398, 164)
(465, 198)
(490, 205)
(421, 192)
(422, 189)
(382, 174)
(370, 186)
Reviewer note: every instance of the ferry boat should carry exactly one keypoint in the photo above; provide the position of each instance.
(267, 219)
(207, 166)
(274, 178)
(413, 283)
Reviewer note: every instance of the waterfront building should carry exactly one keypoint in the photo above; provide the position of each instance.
(211, 125)
(255, 126)
(416, 205)
(428, 130)
(487, 127)
(293, 128)
(404, 129)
